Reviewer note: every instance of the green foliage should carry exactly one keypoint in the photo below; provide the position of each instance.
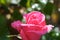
(48, 8)
(52, 36)
(3, 1)
(16, 15)
(23, 3)
(3, 28)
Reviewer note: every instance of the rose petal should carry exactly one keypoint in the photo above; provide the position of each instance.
(49, 28)
(16, 25)
(30, 36)
(33, 16)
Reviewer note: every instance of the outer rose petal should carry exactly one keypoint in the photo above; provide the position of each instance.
(29, 35)
(49, 28)
(33, 36)
(23, 35)
(16, 25)
(25, 16)
(38, 30)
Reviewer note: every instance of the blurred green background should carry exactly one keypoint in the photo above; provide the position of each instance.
(11, 10)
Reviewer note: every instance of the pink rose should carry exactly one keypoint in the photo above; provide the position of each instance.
(34, 28)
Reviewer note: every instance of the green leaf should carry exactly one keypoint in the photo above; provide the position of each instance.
(3, 1)
(28, 4)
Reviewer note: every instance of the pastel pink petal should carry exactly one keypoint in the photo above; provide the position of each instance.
(25, 16)
(16, 25)
(49, 28)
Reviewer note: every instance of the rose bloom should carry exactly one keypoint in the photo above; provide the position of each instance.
(34, 27)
